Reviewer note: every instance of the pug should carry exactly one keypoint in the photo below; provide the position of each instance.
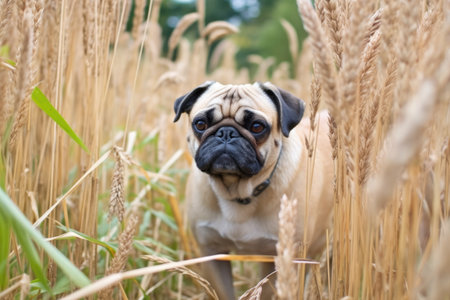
(248, 145)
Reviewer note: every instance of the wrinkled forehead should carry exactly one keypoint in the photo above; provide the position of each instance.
(225, 101)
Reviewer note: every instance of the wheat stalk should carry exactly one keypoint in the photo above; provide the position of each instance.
(287, 275)
(368, 122)
(316, 93)
(320, 10)
(293, 40)
(122, 254)
(387, 91)
(218, 34)
(89, 32)
(389, 29)
(351, 60)
(333, 136)
(426, 28)
(334, 22)
(138, 17)
(5, 9)
(6, 106)
(221, 26)
(10, 25)
(116, 201)
(374, 25)
(38, 12)
(9, 35)
(405, 50)
(351, 57)
(201, 9)
(181, 27)
(23, 78)
(367, 73)
(326, 72)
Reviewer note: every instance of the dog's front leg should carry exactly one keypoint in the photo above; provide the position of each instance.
(220, 276)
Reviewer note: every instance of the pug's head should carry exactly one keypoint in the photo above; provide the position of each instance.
(237, 131)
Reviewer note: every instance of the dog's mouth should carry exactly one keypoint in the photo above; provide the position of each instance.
(225, 165)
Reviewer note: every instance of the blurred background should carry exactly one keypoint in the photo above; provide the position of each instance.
(259, 22)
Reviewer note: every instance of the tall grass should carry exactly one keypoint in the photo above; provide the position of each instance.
(381, 68)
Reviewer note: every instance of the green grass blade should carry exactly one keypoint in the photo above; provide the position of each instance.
(23, 225)
(44, 104)
(81, 235)
(5, 231)
(165, 218)
(63, 285)
(2, 172)
(32, 255)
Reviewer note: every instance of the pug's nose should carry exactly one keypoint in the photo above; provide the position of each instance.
(227, 133)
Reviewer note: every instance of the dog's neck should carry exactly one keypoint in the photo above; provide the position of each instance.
(262, 186)
(231, 182)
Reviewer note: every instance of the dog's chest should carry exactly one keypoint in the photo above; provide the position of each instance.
(254, 236)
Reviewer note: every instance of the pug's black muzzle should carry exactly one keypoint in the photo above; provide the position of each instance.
(228, 151)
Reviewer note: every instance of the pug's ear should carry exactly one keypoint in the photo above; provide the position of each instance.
(290, 108)
(186, 102)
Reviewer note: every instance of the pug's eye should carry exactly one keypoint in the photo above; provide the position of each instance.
(257, 127)
(200, 125)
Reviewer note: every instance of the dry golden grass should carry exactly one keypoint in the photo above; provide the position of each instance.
(381, 68)
(177, 33)
(286, 249)
(116, 201)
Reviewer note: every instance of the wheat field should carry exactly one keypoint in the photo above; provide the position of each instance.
(115, 210)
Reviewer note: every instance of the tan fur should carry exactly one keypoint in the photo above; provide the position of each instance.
(222, 225)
